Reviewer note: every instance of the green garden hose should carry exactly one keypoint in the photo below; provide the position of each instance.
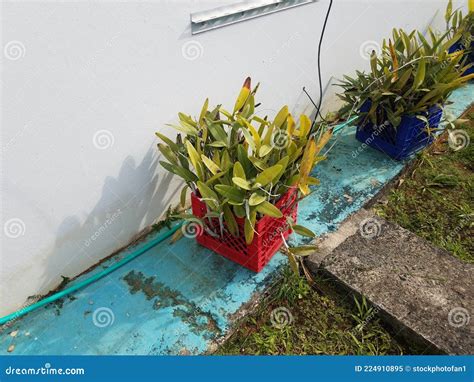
(93, 278)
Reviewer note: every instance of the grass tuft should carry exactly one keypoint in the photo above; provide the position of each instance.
(322, 323)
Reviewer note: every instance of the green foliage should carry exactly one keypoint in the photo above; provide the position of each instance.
(410, 75)
(324, 322)
(459, 24)
(436, 198)
(239, 163)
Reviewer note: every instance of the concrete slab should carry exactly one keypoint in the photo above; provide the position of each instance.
(422, 290)
(182, 298)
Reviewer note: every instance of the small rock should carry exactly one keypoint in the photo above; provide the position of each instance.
(91, 302)
(11, 348)
(27, 333)
(348, 198)
(14, 333)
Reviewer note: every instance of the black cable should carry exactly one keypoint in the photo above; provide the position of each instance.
(318, 110)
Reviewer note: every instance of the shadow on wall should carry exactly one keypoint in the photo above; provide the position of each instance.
(129, 204)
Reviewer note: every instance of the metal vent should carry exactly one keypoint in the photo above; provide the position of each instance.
(246, 10)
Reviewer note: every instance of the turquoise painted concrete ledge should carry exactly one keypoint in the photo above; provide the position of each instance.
(180, 298)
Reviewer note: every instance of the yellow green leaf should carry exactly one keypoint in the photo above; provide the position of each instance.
(293, 262)
(255, 199)
(195, 160)
(242, 183)
(305, 125)
(249, 226)
(239, 171)
(243, 96)
(168, 153)
(307, 161)
(232, 193)
(290, 125)
(303, 250)
(303, 231)
(267, 175)
(449, 11)
(203, 111)
(313, 181)
(323, 141)
(168, 141)
(420, 74)
(248, 137)
(264, 150)
(394, 61)
(269, 209)
(229, 218)
(208, 195)
(185, 128)
(183, 196)
(213, 168)
(281, 117)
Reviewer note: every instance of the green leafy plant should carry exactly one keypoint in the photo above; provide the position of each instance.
(241, 164)
(457, 23)
(462, 26)
(409, 76)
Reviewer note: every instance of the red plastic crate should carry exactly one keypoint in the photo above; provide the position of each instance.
(267, 239)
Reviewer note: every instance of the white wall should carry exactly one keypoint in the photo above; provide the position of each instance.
(86, 84)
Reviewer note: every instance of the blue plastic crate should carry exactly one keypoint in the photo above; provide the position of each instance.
(401, 142)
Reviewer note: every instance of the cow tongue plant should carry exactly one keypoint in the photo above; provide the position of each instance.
(240, 164)
(409, 76)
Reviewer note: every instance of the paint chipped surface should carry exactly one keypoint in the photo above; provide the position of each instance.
(178, 299)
